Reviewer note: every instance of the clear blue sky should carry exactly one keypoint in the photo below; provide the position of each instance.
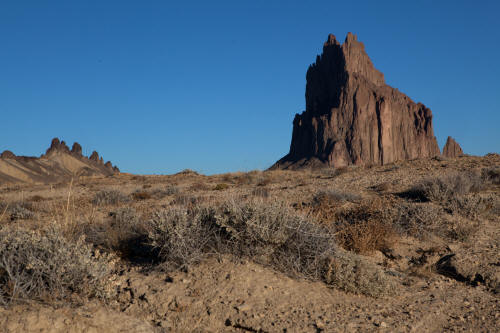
(160, 86)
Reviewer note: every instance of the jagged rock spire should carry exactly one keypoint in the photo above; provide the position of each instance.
(452, 149)
(353, 117)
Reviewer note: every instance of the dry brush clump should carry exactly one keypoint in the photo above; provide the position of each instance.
(21, 211)
(109, 197)
(141, 195)
(354, 273)
(444, 188)
(492, 175)
(124, 232)
(366, 227)
(160, 193)
(418, 220)
(451, 205)
(182, 236)
(268, 233)
(43, 265)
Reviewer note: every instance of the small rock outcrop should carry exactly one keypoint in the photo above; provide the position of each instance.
(94, 157)
(57, 145)
(353, 117)
(76, 149)
(7, 154)
(452, 149)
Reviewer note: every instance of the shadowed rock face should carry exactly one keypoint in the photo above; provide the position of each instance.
(452, 149)
(353, 117)
(76, 149)
(57, 145)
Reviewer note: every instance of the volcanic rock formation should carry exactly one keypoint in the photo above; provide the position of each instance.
(353, 117)
(452, 149)
(57, 164)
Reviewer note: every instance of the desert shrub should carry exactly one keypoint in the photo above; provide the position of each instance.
(199, 186)
(141, 195)
(441, 189)
(459, 229)
(221, 187)
(37, 265)
(247, 178)
(21, 211)
(124, 233)
(109, 197)
(171, 190)
(182, 236)
(335, 195)
(268, 233)
(491, 175)
(260, 192)
(36, 198)
(185, 200)
(417, 219)
(355, 274)
(365, 228)
(264, 180)
(325, 204)
(470, 206)
(160, 193)
(333, 172)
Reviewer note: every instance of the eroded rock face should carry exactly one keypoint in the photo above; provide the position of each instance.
(94, 157)
(57, 145)
(452, 149)
(76, 149)
(353, 117)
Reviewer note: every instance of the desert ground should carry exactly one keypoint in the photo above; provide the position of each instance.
(411, 246)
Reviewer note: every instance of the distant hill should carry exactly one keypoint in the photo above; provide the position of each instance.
(57, 164)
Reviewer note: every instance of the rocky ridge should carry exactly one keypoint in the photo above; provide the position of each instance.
(58, 163)
(353, 117)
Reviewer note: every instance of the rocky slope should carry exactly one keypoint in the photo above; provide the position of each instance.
(353, 117)
(57, 164)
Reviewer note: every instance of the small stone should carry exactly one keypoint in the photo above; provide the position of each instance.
(244, 307)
